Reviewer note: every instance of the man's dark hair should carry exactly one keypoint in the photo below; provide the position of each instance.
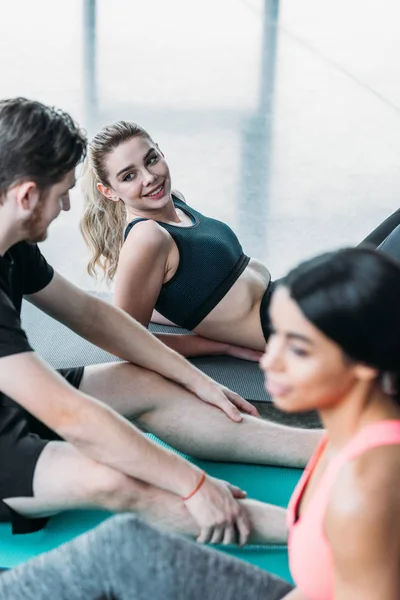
(38, 143)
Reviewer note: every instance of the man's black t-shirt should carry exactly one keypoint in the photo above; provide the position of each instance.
(23, 270)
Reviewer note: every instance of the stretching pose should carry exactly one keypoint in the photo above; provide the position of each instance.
(188, 267)
(335, 347)
(60, 448)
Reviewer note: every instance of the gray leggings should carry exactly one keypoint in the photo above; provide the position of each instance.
(126, 558)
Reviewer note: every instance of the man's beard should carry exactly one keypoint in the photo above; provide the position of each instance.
(35, 228)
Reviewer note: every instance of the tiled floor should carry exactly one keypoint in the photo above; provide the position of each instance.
(282, 118)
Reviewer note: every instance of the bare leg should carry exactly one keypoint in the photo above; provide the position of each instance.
(191, 426)
(65, 479)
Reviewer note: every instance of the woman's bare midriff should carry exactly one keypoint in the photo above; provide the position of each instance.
(236, 319)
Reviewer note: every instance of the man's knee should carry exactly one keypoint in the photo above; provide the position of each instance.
(64, 478)
(115, 491)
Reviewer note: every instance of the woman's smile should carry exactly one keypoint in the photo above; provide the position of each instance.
(156, 193)
(276, 389)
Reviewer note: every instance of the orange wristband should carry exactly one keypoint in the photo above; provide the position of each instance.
(198, 486)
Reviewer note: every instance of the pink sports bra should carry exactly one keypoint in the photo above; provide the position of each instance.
(310, 556)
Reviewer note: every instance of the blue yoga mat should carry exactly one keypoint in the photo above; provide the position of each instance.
(266, 483)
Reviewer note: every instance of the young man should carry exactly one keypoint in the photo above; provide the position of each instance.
(60, 448)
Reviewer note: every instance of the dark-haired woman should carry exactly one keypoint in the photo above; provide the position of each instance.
(335, 347)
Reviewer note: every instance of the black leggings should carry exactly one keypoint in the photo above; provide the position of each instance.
(379, 235)
(264, 316)
(386, 238)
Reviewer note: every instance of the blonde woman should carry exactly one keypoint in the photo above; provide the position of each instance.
(171, 263)
(175, 265)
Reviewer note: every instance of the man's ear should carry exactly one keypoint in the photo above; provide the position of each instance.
(107, 192)
(27, 195)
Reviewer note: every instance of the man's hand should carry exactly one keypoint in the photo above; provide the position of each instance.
(114, 331)
(220, 517)
(222, 397)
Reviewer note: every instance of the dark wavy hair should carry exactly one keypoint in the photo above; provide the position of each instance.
(38, 143)
(353, 297)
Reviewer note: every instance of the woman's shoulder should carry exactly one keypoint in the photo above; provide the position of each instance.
(362, 523)
(367, 485)
(148, 233)
(177, 194)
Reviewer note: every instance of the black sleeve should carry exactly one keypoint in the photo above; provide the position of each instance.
(12, 338)
(377, 236)
(37, 272)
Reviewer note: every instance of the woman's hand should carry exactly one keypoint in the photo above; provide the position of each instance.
(222, 397)
(220, 517)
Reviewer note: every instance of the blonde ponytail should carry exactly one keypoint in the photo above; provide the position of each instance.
(102, 226)
(103, 221)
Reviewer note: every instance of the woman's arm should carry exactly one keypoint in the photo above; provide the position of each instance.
(196, 345)
(142, 268)
(362, 524)
(156, 317)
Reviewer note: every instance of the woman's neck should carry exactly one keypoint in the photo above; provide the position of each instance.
(167, 214)
(356, 410)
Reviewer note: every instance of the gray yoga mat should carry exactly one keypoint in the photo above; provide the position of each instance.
(61, 347)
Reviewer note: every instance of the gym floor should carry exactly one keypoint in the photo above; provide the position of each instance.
(281, 118)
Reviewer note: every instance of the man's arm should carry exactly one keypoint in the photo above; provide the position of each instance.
(115, 331)
(90, 425)
(100, 433)
(363, 528)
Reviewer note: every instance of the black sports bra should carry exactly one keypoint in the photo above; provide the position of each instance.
(211, 259)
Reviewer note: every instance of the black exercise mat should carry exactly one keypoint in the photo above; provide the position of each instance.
(61, 347)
